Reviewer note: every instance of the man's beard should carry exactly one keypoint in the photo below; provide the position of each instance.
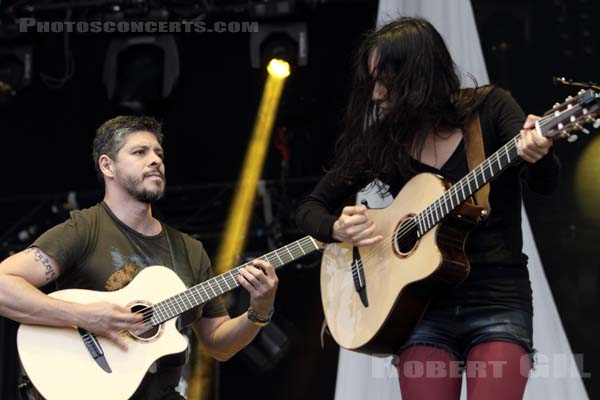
(144, 195)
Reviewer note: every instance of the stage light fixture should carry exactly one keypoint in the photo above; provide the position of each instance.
(140, 70)
(284, 41)
(15, 70)
(271, 9)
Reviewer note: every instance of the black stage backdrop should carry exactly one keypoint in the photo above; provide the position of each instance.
(48, 133)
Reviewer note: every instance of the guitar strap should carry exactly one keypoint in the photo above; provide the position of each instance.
(179, 254)
(182, 265)
(475, 156)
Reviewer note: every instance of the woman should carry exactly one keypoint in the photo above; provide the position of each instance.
(405, 116)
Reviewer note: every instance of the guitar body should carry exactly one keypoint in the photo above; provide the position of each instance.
(61, 367)
(399, 285)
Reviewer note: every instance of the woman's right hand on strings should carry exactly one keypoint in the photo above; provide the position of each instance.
(354, 226)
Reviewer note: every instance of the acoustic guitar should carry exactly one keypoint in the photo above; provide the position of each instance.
(71, 363)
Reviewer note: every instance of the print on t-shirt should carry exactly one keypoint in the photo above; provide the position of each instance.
(130, 266)
(121, 277)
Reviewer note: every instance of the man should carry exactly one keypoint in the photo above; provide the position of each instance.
(105, 246)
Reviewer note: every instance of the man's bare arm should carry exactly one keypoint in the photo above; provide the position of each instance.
(222, 337)
(22, 301)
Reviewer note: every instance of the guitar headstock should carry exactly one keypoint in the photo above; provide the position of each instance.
(565, 118)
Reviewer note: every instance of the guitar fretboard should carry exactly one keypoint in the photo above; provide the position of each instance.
(469, 184)
(211, 288)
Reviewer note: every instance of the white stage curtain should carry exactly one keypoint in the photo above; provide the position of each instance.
(556, 376)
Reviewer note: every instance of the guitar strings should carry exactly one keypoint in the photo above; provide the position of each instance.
(435, 209)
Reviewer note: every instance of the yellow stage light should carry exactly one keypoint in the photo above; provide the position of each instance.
(587, 181)
(234, 238)
(278, 68)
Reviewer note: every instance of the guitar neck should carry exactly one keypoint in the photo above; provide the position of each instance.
(467, 186)
(216, 286)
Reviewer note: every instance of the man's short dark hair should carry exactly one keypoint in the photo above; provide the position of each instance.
(110, 137)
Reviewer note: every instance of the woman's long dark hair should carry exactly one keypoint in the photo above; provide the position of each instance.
(415, 67)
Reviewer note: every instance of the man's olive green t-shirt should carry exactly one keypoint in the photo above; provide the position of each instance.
(97, 251)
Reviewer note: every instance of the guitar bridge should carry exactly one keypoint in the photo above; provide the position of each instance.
(358, 275)
(94, 348)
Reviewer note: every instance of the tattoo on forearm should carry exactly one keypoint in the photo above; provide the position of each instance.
(45, 262)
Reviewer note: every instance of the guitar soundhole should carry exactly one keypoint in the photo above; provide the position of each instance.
(406, 236)
(151, 332)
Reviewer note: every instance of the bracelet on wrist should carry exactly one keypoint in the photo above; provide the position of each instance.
(259, 319)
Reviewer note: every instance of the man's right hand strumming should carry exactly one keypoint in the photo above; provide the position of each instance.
(109, 320)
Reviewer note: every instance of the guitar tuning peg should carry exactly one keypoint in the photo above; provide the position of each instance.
(572, 138)
(596, 123)
(564, 134)
(581, 128)
(569, 98)
(556, 105)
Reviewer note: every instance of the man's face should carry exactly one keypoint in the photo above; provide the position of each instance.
(139, 167)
